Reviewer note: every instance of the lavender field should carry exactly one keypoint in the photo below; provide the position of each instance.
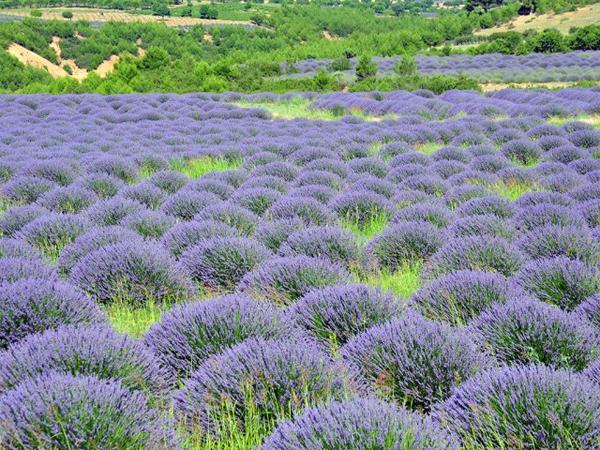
(487, 68)
(388, 271)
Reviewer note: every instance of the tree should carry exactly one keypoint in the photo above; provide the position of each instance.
(187, 11)
(549, 41)
(365, 68)
(155, 58)
(257, 19)
(160, 9)
(405, 66)
(472, 5)
(67, 15)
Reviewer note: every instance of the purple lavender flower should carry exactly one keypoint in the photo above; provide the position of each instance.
(411, 360)
(188, 335)
(65, 411)
(85, 350)
(520, 406)
(279, 377)
(359, 424)
(284, 280)
(525, 331)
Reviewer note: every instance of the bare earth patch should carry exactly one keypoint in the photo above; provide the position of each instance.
(329, 36)
(57, 71)
(488, 87)
(587, 15)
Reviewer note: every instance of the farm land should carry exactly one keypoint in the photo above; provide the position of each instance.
(299, 227)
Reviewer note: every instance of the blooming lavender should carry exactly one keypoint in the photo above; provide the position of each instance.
(190, 334)
(412, 360)
(357, 424)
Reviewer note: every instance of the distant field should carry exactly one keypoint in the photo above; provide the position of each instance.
(107, 15)
(227, 11)
(588, 15)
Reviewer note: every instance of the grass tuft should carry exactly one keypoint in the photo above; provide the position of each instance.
(196, 167)
(403, 282)
(365, 230)
(134, 321)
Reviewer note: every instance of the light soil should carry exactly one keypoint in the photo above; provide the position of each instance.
(488, 87)
(588, 15)
(56, 71)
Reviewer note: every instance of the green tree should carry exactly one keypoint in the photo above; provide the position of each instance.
(473, 5)
(67, 15)
(365, 68)
(549, 41)
(405, 66)
(155, 58)
(160, 9)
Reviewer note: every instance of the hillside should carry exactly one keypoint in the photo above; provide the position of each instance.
(588, 15)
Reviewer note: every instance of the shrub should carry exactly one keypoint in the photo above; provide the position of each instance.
(360, 207)
(531, 199)
(497, 206)
(17, 268)
(534, 217)
(51, 233)
(184, 234)
(145, 193)
(401, 244)
(333, 315)
(85, 350)
(459, 297)
(13, 248)
(274, 378)
(185, 204)
(188, 335)
(358, 424)
(274, 233)
(553, 240)
(128, 273)
(58, 172)
(435, 214)
(103, 185)
(412, 361)
(524, 406)
(242, 219)
(13, 220)
(284, 280)
(319, 178)
(112, 211)
(525, 331)
(559, 281)
(257, 200)
(281, 169)
(221, 262)
(323, 194)
(522, 151)
(336, 244)
(307, 209)
(148, 224)
(485, 225)
(170, 181)
(71, 199)
(32, 306)
(590, 308)
(477, 253)
(24, 189)
(116, 167)
(65, 411)
(93, 240)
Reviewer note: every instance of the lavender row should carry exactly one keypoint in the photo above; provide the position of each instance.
(269, 266)
(492, 67)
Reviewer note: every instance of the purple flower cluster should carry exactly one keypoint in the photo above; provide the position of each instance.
(272, 273)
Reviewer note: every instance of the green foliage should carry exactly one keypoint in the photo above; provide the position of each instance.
(548, 41)
(365, 68)
(35, 13)
(406, 66)
(473, 5)
(67, 15)
(160, 9)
